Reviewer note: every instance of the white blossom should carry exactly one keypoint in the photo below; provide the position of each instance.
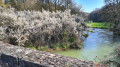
(25, 23)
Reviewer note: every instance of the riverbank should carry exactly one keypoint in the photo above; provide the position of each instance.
(100, 25)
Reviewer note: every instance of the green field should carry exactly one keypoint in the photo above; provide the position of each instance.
(99, 24)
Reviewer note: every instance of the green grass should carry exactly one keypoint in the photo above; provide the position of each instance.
(99, 24)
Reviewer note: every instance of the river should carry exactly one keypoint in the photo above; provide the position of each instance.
(96, 46)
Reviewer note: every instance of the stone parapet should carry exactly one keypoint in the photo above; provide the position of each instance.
(14, 56)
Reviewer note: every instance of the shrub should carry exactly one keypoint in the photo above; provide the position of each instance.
(40, 28)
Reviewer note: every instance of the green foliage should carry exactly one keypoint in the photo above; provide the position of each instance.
(65, 36)
(72, 39)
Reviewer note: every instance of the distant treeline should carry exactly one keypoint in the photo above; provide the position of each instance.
(100, 15)
(109, 13)
(51, 5)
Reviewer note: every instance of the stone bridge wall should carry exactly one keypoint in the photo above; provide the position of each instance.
(14, 56)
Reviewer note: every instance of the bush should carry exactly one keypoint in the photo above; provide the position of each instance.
(40, 28)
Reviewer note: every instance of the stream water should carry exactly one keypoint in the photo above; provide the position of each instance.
(96, 46)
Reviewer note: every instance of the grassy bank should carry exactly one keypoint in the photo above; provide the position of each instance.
(99, 25)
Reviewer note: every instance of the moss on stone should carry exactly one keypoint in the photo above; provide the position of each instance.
(85, 35)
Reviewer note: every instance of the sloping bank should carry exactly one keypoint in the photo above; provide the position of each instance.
(14, 56)
(41, 30)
